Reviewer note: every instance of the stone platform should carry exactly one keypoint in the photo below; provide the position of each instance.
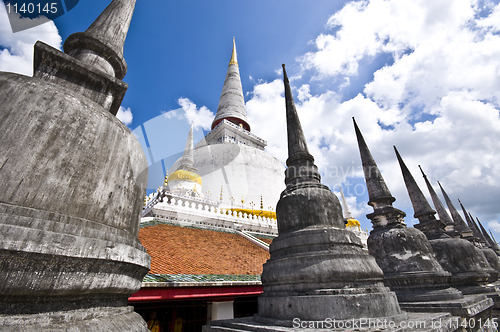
(469, 306)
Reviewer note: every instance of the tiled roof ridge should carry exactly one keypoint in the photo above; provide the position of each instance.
(153, 277)
(163, 222)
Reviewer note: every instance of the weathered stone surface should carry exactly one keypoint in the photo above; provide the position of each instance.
(60, 152)
(409, 264)
(72, 180)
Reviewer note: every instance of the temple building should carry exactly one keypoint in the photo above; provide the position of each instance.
(209, 226)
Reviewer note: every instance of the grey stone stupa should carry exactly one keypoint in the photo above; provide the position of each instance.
(318, 273)
(72, 181)
(317, 269)
(467, 264)
(404, 254)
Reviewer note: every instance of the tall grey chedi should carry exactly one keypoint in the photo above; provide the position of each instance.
(404, 254)
(72, 181)
(317, 268)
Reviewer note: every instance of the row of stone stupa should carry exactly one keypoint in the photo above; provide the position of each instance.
(318, 270)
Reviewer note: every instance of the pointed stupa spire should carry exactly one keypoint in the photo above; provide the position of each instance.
(428, 223)
(101, 45)
(187, 160)
(232, 103)
(492, 237)
(300, 162)
(421, 207)
(487, 237)
(471, 223)
(377, 189)
(442, 213)
(346, 210)
(478, 230)
(380, 198)
(460, 225)
(297, 145)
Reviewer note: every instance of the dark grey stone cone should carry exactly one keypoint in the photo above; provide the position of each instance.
(492, 244)
(72, 181)
(441, 211)
(404, 254)
(427, 222)
(460, 225)
(317, 268)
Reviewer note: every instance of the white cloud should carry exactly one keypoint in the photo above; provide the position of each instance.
(437, 100)
(200, 117)
(125, 115)
(495, 226)
(16, 49)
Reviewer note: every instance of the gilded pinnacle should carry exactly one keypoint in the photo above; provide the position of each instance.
(234, 58)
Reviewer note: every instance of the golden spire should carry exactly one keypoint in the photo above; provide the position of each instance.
(234, 59)
(221, 192)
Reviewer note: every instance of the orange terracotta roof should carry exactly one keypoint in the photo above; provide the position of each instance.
(265, 239)
(183, 250)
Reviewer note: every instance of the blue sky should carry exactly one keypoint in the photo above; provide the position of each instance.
(422, 75)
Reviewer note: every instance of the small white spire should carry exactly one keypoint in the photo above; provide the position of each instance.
(347, 211)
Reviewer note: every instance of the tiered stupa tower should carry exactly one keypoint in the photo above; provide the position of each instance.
(232, 157)
(72, 181)
(317, 269)
(404, 254)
